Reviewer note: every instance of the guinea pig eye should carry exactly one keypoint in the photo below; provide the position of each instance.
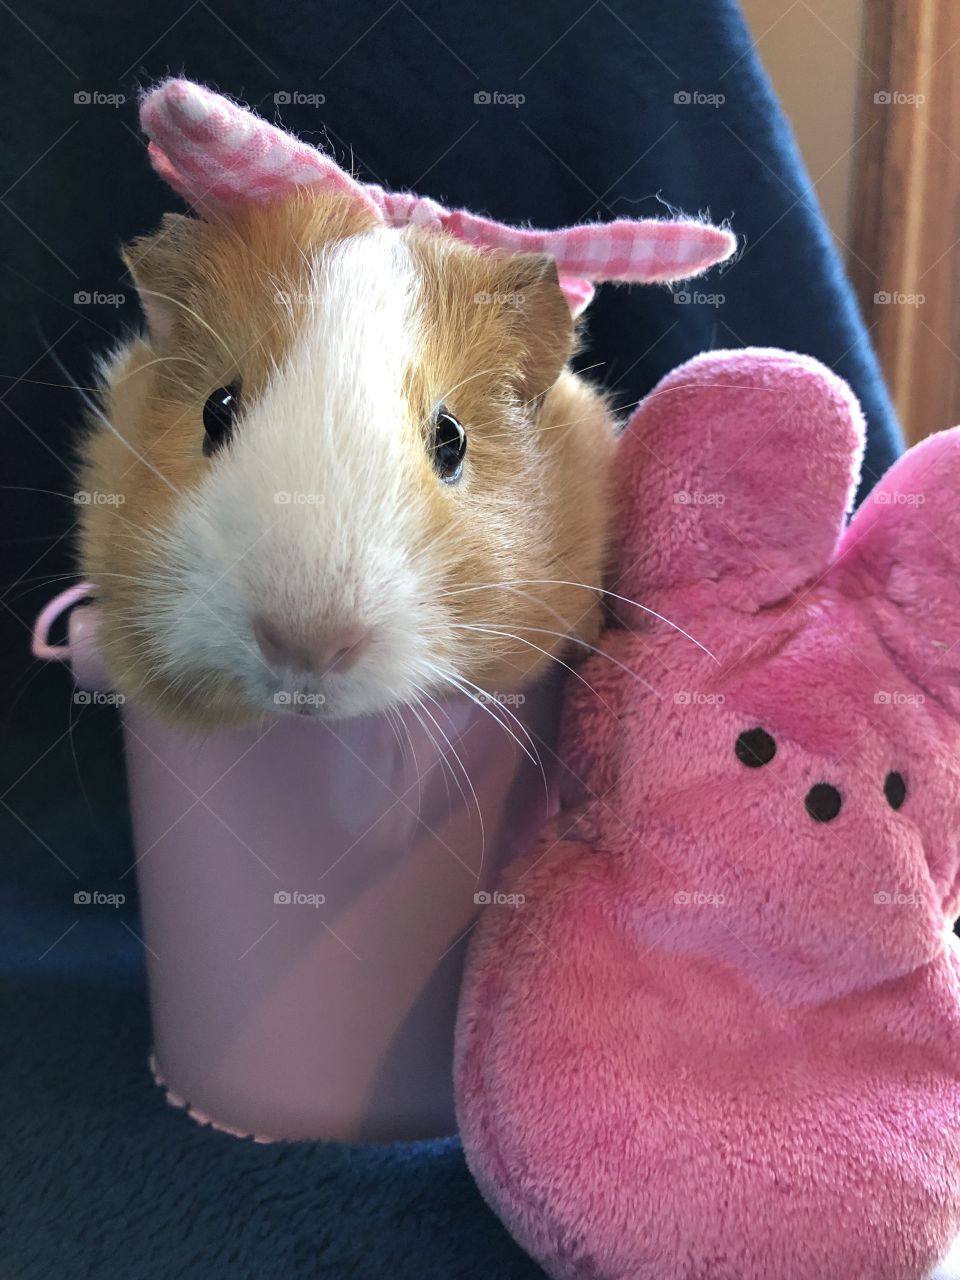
(449, 446)
(219, 413)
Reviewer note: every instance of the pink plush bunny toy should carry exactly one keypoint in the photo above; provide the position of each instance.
(712, 1030)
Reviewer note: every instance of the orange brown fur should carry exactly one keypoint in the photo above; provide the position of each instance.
(531, 509)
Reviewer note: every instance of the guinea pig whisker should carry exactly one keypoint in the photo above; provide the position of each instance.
(145, 580)
(98, 413)
(541, 430)
(142, 368)
(583, 644)
(526, 595)
(463, 769)
(148, 534)
(154, 293)
(463, 686)
(50, 579)
(40, 382)
(197, 364)
(35, 579)
(483, 702)
(483, 373)
(509, 635)
(443, 757)
(603, 591)
(444, 711)
(95, 409)
(51, 493)
(396, 723)
(537, 600)
(404, 725)
(191, 689)
(153, 669)
(415, 706)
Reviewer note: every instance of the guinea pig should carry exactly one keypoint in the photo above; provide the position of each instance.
(349, 461)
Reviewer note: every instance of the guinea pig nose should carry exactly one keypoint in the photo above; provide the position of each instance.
(331, 651)
(341, 650)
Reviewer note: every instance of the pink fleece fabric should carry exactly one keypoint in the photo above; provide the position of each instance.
(719, 1037)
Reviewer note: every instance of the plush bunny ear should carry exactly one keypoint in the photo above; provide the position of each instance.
(624, 251)
(902, 549)
(215, 153)
(735, 476)
(627, 252)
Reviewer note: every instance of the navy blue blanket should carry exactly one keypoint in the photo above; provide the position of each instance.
(627, 103)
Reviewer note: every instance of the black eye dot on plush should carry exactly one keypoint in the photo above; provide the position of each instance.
(219, 413)
(755, 747)
(823, 802)
(895, 789)
(449, 446)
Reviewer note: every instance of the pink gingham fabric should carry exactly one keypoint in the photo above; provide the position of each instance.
(216, 153)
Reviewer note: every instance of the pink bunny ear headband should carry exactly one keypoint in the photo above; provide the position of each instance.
(216, 154)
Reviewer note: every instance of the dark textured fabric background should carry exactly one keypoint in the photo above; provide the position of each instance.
(99, 1178)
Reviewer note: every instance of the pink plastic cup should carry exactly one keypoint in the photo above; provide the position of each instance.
(307, 890)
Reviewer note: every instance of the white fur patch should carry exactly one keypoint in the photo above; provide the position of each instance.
(310, 515)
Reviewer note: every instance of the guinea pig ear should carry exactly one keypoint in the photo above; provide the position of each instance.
(902, 551)
(544, 328)
(157, 264)
(735, 475)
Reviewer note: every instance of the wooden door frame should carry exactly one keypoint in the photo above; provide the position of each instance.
(905, 217)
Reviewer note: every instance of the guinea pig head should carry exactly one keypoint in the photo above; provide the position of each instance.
(325, 447)
(770, 741)
(350, 466)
